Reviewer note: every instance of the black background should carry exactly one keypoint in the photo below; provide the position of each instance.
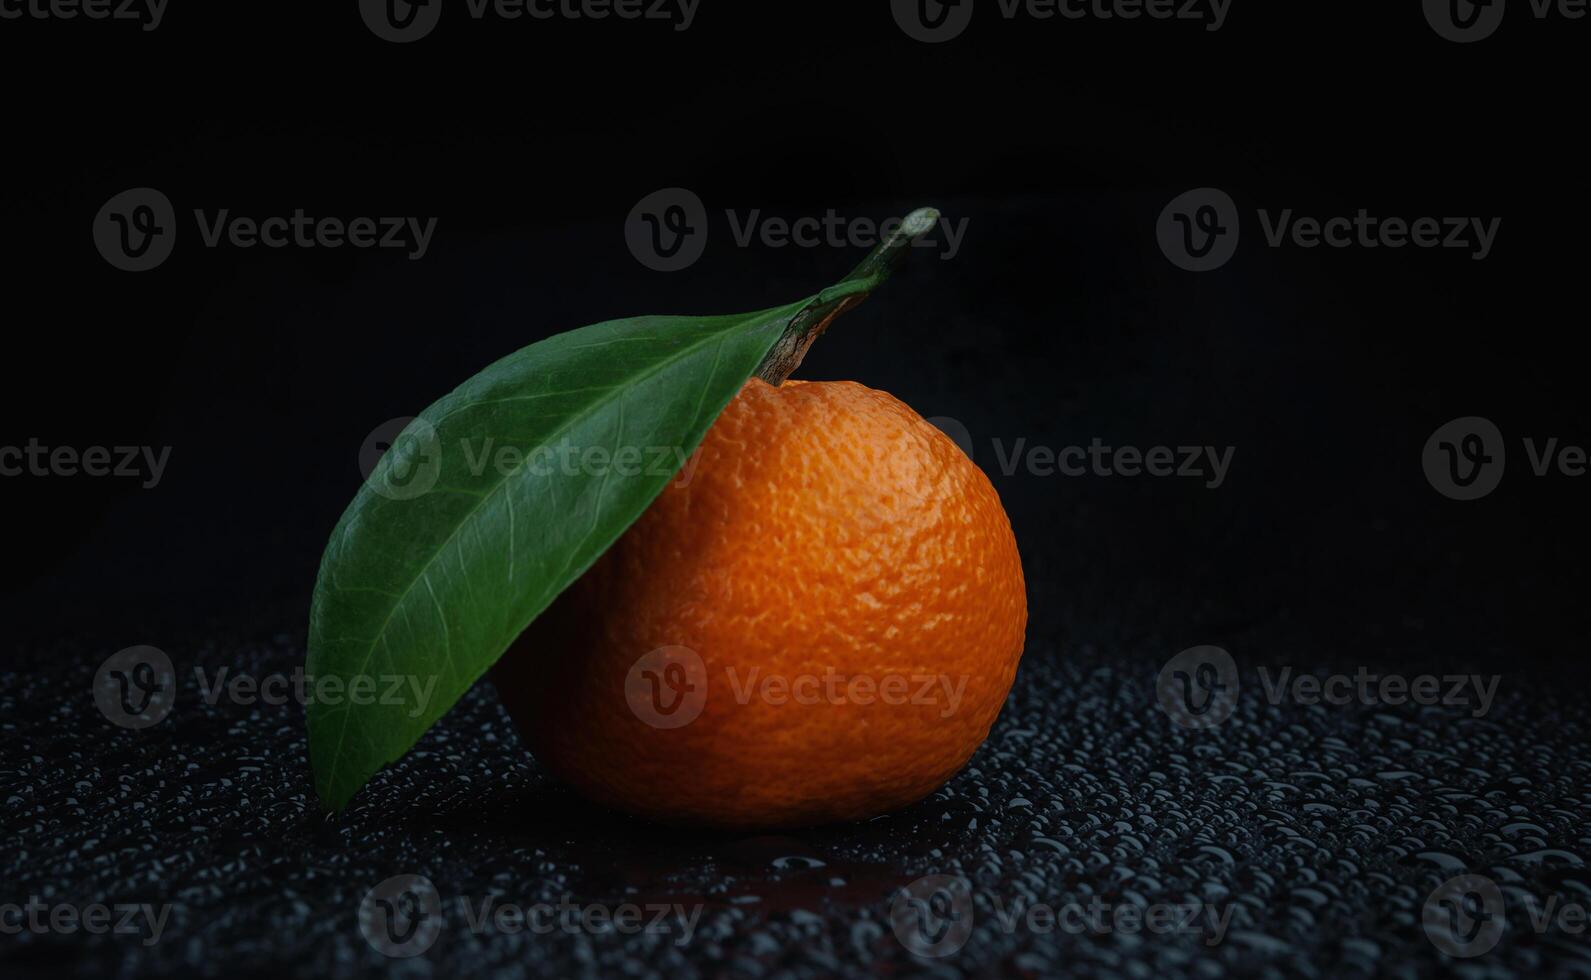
(1060, 320)
(1057, 141)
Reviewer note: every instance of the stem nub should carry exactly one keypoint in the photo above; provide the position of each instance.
(809, 324)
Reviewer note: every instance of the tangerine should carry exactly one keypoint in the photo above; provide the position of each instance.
(819, 620)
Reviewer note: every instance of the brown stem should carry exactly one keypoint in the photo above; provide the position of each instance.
(809, 324)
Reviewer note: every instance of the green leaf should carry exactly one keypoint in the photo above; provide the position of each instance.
(499, 495)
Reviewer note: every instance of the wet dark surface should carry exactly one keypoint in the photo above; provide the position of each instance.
(1315, 833)
(1308, 838)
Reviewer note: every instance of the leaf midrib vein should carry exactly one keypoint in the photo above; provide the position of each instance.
(380, 634)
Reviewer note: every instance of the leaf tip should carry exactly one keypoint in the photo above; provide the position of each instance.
(919, 222)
